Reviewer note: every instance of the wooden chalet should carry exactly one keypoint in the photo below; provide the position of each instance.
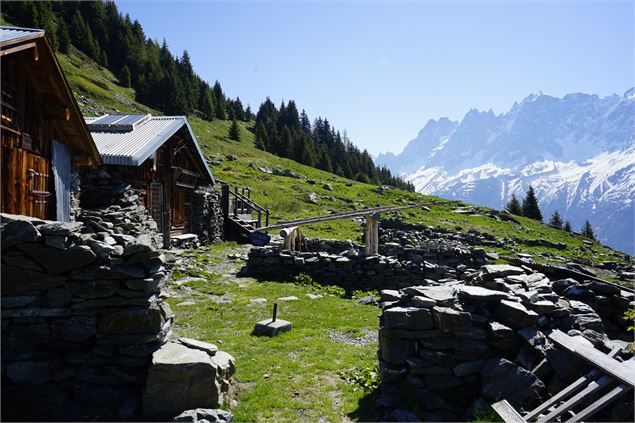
(160, 157)
(44, 136)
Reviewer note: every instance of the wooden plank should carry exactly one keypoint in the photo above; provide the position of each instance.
(605, 400)
(507, 412)
(600, 360)
(343, 215)
(569, 404)
(569, 390)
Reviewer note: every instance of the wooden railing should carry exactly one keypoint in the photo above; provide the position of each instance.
(239, 202)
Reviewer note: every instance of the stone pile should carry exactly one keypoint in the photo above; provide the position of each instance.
(342, 263)
(457, 346)
(207, 216)
(109, 205)
(84, 324)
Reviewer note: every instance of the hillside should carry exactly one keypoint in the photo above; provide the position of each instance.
(241, 164)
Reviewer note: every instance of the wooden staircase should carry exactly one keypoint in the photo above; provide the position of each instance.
(242, 215)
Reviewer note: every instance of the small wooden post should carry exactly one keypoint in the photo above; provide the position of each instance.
(275, 312)
(372, 234)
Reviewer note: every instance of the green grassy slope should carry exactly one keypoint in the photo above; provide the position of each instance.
(287, 197)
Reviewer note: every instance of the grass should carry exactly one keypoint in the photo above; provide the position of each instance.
(295, 376)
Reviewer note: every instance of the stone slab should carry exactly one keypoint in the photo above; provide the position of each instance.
(271, 328)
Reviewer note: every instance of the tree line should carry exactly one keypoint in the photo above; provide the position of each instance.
(169, 84)
(529, 208)
(160, 80)
(286, 132)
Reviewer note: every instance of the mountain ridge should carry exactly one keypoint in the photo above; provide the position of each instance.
(575, 150)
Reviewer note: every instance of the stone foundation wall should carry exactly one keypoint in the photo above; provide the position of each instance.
(81, 318)
(207, 216)
(345, 266)
(456, 347)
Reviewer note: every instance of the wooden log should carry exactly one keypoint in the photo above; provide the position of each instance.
(507, 412)
(285, 232)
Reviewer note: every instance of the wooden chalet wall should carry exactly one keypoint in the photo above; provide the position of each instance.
(27, 134)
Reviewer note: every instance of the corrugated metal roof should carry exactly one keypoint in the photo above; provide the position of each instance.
(133, 147)
(12, 33)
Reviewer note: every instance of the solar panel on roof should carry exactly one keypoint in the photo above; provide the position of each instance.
(118, 122)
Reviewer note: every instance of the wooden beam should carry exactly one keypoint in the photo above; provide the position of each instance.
(21, 47)
(600, 360)
(596, 406)
(57, 113)
(507, 412)
(342, 215)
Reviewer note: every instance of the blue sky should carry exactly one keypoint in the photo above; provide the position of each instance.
(381, 69)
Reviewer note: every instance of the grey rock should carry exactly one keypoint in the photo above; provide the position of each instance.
(58, 297)
(408, 318)
(327, 187)
(389, 295)
(60, 228)
(90, 289)
(143, 243)
(395, 351)
(492, 271)
(468, 368)
(204, 415)
(441, 383)
(447, 319)
(504, 379)
(59, 261)
(147, 320)
(313, 198)
(422, 302)
(75, 329)
(17, 301)
(441, 294)
(29, 371)
(18, 231)
(515, 315)
(180, 378)
(480, 295)
(536, 340)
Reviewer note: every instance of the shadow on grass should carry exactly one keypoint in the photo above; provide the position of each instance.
(368, 410)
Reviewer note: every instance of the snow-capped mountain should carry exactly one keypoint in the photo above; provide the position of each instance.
(578, 152)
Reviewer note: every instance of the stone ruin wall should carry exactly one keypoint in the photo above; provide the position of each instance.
(85, 331)
(81, 317)
(207, 220)
(454, 348)
(345, 264)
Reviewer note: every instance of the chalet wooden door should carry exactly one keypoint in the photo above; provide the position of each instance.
(181, 210)
(26, 184)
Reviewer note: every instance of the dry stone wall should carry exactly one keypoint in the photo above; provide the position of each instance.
(453, 348)
(81, 318)
(341, 263)
(207, 216)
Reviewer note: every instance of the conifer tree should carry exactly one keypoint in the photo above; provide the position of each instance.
(513, 206)
(567, 226)
(63, 36)
(587, 230)
(206, 102)
(248, 113)
(261, 137)
(555, 220)
(234, 131)
(125, 77)
(530, 205)
(219, 101)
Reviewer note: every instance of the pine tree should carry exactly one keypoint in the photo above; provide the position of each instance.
(234, 131)
(530, 205)
(219, 101)
(125, 77)
(261, 137)
(587, 230)
(513, 206)
(248, 113)
(567, 226)
(63, 36)
(555, 220)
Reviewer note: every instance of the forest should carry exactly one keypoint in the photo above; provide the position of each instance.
(169, 83)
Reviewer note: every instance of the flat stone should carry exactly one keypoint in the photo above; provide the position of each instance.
(515, 314)
(492, 271)
(314, 296)
(422, 302)
(98, 288)
(289, 298)
(407, 318)
(36, 312)
(479, 294)
(22, 263)
(270, 328)
(543, 307)
(448, 319)
(258, 300)
(536, 339)
(389, 295)
(60, 228)
(57, 261)
(204, 415)
(498, 330)
(17, 301)
(468, 368)
(18, 231)
(441, 293)
(210, 349)
(142, 243)
(441, 383)
(28, 371)
(75, 329)
(147, 320)
(396, 351)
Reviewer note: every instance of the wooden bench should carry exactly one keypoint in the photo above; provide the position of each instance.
(609, 380)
